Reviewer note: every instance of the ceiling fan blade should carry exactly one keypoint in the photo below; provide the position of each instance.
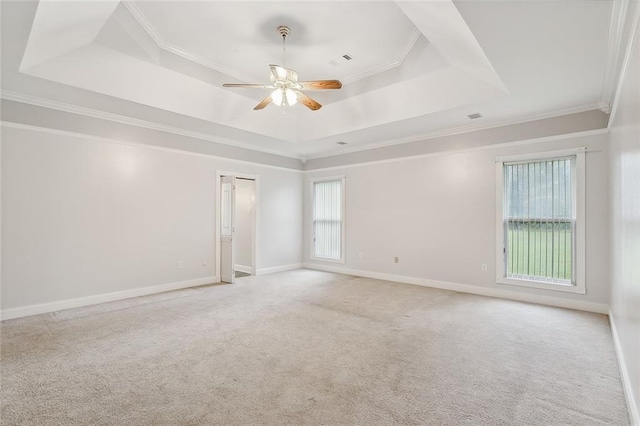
(278, 72)
(308, 102)
(320, 84)
(258, 86)
(292, 75)
(263, 103)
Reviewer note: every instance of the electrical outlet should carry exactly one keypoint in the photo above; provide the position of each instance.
(483, 267)
(204, 262)
(396, 259)
(180, 264)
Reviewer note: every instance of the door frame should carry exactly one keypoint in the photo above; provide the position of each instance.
(229, 237)
(254, 218)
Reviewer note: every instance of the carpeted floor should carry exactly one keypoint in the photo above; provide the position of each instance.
(308, 347)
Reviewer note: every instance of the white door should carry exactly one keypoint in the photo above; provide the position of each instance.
(227, 228)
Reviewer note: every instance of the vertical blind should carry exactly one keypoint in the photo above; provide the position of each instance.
(539, 220)
(327, 219)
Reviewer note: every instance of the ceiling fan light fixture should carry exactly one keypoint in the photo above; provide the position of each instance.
(276, 97)
(283, 96)
(287, 90)
(292, 97)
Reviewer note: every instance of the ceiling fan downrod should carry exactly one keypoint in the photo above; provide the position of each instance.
(286, 89)
(284, 32)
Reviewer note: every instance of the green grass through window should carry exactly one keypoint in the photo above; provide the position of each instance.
(540, 250)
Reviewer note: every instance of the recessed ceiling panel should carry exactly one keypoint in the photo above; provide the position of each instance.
(240, 38)
(417, 68)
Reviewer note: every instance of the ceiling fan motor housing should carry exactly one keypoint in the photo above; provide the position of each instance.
(285, 85)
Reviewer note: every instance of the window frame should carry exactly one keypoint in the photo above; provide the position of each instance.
(579, 188)
(312, 182)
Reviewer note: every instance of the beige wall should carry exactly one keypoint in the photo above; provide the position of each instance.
(565, 124)
(17, 112)
(83, 217)
(438, 214)
(625, 228)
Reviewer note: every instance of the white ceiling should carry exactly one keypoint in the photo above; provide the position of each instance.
(418, 68)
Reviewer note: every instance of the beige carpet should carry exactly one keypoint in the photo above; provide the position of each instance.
(307, 347)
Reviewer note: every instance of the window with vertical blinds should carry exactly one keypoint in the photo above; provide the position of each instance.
(539, 220)
(328, 220)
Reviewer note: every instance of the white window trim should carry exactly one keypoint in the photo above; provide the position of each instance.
(312, 255)
(580, 179)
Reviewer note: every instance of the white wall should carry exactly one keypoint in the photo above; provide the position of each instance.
(437, 213)
(83, 217)
(625, 229)
(546, 127)
(244, 222)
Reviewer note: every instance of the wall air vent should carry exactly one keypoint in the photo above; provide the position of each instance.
(341, 143)
(474, 116)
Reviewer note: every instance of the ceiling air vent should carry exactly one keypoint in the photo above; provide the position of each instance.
(347, 57)
(341, 143)
(474, 116)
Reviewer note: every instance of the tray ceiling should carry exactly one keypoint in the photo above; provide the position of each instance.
(417, 67)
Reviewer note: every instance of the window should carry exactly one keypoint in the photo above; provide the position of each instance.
(540, 222)
(327, 230)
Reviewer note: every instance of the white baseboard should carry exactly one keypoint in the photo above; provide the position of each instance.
(242, 268)
(274, 269)
(600, 308)
(43, 308)
(634, 414)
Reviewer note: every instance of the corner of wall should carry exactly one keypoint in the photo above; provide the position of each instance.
(634, 413)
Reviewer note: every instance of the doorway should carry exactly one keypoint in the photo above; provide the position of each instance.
(236, 225)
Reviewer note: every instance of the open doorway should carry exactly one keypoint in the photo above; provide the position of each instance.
(236, 225)
(244, 218)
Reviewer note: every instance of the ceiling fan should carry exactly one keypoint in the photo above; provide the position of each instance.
(286, 89)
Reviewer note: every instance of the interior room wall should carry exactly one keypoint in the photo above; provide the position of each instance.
(143, 132)
(479, 137)
(625, 229)
(83, 217)
(437, 213)
(244, 224)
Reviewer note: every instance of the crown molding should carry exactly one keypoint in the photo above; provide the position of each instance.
(89, 112)
(207, 63)
(413, 157)
(615, 49)
(144, 22)
(164, 45)
(93, 138)
(94, 113)
(463, 129)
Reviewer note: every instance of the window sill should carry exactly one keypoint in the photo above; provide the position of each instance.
(566, 288)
